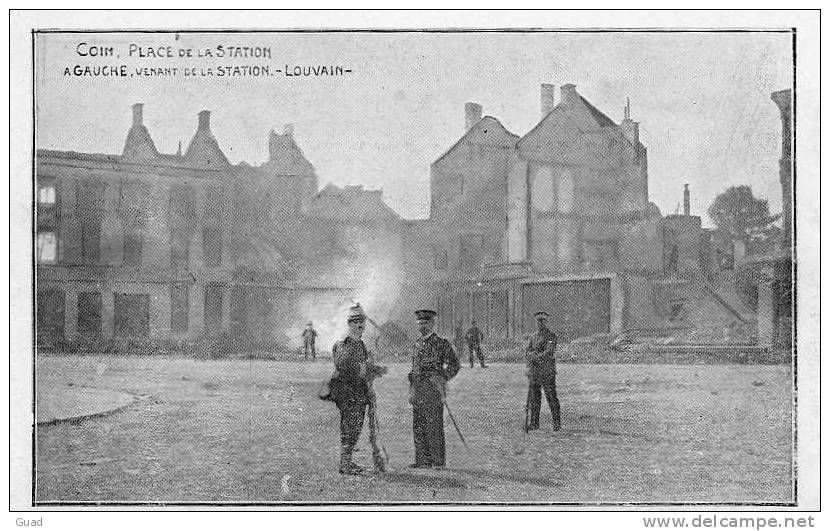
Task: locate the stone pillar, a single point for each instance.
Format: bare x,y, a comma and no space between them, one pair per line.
112,240
227,226
67,188
766,308
112,235
517,212
516,310
226,307
783,99
196,309
156,253
70,314
107,314
159,310
566,236
69,247
196,260
617,305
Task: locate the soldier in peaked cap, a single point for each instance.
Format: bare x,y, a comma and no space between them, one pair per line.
540,354
434,363
474,338
350,388
309,337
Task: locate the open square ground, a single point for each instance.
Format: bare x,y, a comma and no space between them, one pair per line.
254,431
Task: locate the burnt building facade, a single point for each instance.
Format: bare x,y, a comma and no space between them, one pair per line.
147,245
560,219
175,246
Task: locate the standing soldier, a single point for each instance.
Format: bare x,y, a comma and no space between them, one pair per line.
541,374
309,337
434,363
349,387
458,340
474,339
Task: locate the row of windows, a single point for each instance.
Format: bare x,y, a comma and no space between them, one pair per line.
133,197
133,244
474,250
131,311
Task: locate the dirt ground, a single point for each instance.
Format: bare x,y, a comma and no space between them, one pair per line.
233,431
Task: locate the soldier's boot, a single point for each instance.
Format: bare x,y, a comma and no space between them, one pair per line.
346,465
557,422
556,413
379,461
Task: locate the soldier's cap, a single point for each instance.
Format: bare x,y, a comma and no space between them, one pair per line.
541,314
310,324
425,315
356,313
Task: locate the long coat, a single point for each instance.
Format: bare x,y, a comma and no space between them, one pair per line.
433,364
347,384
540,354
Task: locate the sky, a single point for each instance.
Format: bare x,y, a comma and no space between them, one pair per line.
702,99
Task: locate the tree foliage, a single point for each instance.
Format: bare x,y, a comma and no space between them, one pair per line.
739,215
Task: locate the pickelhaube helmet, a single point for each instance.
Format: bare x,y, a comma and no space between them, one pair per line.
356,313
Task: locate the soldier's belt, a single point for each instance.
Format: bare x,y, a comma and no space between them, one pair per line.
422,374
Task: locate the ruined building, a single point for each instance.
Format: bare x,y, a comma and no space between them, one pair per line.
173,246
560,219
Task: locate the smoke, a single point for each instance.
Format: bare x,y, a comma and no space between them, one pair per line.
370,276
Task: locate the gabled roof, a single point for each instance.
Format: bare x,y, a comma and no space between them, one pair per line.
487,131
204,150
576,131
598,115
139,144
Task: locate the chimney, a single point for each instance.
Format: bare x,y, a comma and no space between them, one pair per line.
138,114
686,200
569,95
204,121
630,128
472,115
548,97
288,129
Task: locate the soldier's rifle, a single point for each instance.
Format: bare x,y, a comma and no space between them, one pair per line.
379,455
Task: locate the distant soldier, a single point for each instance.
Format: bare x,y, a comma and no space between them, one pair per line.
458,340
350,386
541,374
309,338
474,339
434,363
